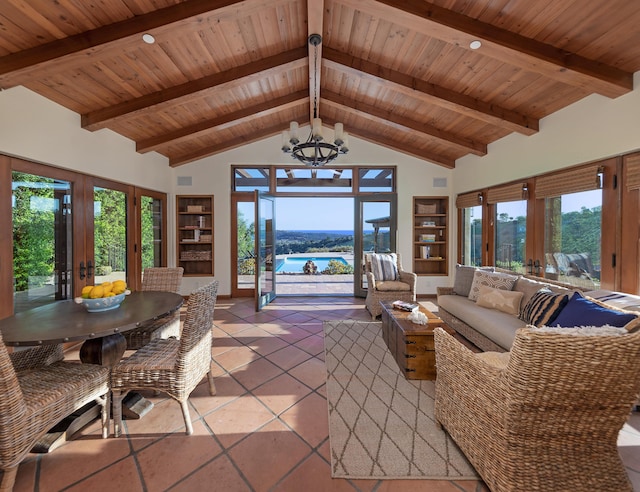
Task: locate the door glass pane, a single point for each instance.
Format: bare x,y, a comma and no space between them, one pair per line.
472,236
246,245
265,250
42,245
511,235
376,232
151,230
572,238
110,235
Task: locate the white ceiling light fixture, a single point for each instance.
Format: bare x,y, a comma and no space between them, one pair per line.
474,45
148,38
315,152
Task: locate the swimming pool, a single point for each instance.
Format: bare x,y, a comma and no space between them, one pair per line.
295,264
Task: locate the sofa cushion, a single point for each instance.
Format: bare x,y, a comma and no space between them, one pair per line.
497,326
384,266
506,301
496,280
464,278
528,287
581,311
543,308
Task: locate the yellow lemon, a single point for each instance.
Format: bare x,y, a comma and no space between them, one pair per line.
109,294
107,286
97,292
86,290
119,286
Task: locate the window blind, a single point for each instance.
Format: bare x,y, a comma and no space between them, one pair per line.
571,181
632,172
468,200
508,193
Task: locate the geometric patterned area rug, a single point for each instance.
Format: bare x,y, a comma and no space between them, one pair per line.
380,424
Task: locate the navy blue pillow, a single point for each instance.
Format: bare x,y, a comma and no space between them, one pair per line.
583,312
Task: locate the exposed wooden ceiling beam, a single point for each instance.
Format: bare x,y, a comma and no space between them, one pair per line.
402,122
440,96
315,16
16,67
233,143
258,69
501,44
192,131
379,139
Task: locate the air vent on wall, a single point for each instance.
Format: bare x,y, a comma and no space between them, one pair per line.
185,180
439,182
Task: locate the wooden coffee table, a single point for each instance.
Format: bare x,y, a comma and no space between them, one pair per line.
411,345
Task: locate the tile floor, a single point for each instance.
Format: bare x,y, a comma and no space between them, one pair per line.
266,430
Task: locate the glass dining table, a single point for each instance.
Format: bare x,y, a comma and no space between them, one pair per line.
100,332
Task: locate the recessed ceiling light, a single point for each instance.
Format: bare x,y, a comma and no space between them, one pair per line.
148,38
474,45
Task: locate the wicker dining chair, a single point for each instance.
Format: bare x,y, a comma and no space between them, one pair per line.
545,416
163,279
172,366
401,289
36,394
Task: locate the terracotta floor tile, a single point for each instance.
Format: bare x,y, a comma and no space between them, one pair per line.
265,346
163,418
418,486
311,372
122,475
238,419
313,475
220,472
227,388
235,327
309,418
283,449
312,345
256,373
167,461
281,393
288,357
236,357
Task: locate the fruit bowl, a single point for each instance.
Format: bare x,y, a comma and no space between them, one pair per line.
102,303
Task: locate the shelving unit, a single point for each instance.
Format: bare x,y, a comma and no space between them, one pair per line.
195,234
430,236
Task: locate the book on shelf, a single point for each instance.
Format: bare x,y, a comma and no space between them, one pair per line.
425,252
427,238
404,306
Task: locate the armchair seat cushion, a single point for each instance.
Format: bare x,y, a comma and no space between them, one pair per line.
392,286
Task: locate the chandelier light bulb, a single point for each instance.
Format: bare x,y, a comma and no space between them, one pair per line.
344,148
286,146
293,130
316,129
338,131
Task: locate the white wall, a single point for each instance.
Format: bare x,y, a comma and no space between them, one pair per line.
588,130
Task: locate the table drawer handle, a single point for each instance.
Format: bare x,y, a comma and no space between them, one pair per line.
410,342
409,356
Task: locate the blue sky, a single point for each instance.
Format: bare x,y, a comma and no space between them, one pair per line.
312,214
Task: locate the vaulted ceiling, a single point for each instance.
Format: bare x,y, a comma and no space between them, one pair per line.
400,73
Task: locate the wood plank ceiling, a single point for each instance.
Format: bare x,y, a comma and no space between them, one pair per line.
399,73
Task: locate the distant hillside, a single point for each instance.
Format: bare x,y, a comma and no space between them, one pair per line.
313,241
288,242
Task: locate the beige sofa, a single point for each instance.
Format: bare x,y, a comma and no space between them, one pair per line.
494,330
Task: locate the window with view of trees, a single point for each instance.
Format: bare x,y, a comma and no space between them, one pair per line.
511,235
471,240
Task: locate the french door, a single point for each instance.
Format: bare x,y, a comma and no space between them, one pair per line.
265,249
375,232
70,230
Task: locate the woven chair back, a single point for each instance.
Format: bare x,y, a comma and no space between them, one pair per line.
12,406
195,341
163,279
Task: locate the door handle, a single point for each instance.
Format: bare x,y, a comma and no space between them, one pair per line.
89,269
82,270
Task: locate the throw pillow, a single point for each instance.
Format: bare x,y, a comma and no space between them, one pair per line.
496,280
384,266
543,308
581,311
528,287
464,278
503,300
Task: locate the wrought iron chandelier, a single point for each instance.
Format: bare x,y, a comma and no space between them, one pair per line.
314,151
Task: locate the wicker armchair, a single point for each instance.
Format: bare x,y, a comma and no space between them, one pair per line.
403,289
545,416
157,279
172,366
38,396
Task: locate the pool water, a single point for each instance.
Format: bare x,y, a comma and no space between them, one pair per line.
296,264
